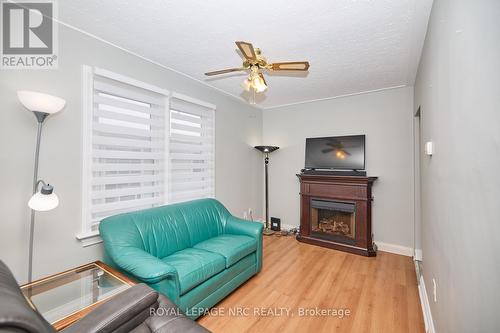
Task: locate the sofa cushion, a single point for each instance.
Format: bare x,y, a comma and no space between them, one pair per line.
194,266
231,247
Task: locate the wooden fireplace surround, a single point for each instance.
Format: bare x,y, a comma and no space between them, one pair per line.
351,189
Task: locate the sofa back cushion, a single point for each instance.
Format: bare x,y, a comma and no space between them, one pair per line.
164,230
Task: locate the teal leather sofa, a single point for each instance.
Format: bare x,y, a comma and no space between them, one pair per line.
194,252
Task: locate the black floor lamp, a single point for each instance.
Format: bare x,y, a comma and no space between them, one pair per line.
267,150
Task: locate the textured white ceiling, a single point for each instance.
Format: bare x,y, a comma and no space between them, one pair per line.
353,45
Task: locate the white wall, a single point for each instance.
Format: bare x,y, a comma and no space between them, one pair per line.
385,118
239,166
458,90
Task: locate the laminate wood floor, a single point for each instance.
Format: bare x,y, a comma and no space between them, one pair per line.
381,293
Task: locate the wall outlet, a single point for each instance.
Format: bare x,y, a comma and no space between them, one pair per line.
245,215
434,290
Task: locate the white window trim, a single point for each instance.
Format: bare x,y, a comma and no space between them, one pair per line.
86,236
193,100
87,105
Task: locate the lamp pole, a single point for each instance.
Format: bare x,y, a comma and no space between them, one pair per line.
266,162
40,116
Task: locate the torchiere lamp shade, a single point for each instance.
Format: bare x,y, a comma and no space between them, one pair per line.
267,149
39,102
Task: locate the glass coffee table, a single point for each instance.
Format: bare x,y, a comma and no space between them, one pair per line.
65,297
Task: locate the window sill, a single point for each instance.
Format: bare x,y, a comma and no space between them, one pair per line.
89,238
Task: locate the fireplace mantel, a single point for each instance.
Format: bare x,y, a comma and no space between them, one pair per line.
330,228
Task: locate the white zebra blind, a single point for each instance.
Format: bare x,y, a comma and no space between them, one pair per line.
191,149
128,154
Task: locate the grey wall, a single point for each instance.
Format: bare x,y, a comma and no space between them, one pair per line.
385,117
458,89
238,174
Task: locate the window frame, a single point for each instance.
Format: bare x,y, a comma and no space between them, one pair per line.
85,235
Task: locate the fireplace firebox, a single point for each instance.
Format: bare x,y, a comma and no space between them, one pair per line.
333,220
336,212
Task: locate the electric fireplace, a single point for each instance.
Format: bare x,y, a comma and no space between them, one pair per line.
336,212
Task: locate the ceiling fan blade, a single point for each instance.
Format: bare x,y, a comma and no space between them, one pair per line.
290,66
247,50
262,77
224,71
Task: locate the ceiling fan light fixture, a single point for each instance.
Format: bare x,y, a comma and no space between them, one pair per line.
258,84
261,88
257,65
246,84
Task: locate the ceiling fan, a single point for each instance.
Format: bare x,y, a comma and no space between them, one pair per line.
256,63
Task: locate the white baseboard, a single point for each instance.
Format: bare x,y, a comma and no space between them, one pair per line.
418,255
384,247
394,248
426,309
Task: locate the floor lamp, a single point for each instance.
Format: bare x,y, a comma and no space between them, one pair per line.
42,105
266,150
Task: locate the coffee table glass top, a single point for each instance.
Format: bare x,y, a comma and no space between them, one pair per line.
64,294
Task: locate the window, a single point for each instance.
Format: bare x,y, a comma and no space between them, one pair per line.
191,149
141,148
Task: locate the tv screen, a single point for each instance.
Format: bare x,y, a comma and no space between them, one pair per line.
336,152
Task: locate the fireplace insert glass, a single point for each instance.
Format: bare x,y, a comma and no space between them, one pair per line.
333,220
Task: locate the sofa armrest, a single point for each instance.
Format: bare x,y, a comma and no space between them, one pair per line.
142,265
237,226
122,312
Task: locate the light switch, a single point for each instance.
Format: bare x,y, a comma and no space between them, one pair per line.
429,148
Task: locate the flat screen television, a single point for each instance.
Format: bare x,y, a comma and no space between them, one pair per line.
336,152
